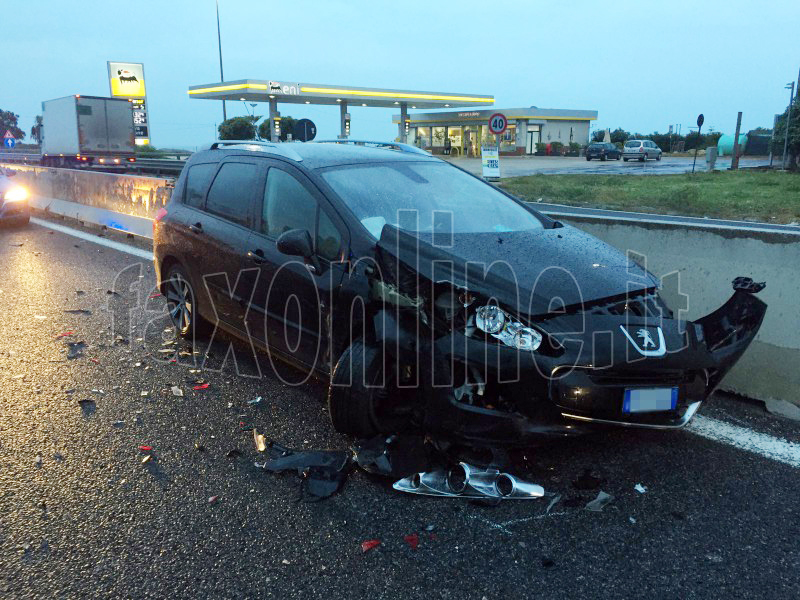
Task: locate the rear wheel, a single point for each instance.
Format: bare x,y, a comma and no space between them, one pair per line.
181,303
625,159
603,157
364,398
658,157
588,158
643,158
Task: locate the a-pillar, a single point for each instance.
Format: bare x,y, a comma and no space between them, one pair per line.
274,120
343,120
403,119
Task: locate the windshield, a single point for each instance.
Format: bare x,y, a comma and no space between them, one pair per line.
426,196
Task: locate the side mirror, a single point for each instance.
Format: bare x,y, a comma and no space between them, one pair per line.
297,242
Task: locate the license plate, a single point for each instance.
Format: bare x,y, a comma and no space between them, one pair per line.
641,400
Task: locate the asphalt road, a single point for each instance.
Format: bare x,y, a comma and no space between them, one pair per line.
89,519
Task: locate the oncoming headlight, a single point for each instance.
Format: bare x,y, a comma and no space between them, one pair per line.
16,194
493,320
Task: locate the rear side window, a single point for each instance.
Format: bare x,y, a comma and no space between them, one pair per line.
197,179
232,192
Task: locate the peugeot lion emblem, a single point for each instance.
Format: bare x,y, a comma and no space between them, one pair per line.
646,345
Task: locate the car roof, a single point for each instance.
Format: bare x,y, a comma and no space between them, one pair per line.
316,156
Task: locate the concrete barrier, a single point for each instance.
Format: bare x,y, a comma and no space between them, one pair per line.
119,201
708,260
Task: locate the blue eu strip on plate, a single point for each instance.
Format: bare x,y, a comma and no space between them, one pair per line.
641,400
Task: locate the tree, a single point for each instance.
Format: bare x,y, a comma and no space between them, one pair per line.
793,150
8,122
238,128
36,130
287,127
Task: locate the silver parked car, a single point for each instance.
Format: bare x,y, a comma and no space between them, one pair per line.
640,150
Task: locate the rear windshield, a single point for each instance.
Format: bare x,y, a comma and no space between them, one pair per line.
632,144
425,196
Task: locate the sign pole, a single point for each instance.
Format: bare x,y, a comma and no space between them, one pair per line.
700,120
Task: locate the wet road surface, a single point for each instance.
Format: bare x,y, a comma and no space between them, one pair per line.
82,516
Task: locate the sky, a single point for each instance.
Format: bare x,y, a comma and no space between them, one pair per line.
641,65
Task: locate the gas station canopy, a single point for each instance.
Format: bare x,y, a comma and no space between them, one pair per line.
254,90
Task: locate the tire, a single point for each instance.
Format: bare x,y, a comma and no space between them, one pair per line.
618,156
182,305
625,159
359,410
643,158
588,158
658,157
603,157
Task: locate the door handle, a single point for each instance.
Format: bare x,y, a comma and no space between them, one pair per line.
257,256
196,228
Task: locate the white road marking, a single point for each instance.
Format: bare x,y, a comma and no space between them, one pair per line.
94,239
746,439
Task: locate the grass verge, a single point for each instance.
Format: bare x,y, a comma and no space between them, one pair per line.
764,196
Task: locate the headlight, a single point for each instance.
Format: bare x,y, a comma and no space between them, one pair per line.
490,319
16,194
494,321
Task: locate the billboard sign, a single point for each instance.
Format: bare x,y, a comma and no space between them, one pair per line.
127,81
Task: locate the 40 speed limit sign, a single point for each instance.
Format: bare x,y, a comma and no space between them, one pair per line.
498,123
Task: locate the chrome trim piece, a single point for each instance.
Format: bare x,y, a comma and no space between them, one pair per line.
687,416
467,481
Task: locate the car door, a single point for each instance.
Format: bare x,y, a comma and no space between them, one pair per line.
220,232
292,299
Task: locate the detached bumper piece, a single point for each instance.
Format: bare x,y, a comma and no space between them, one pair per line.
467,481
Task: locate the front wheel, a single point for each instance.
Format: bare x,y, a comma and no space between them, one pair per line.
625,159
643,158
603,157
181,303
588,158
658,157
364,398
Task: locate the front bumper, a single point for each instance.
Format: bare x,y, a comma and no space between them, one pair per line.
555,396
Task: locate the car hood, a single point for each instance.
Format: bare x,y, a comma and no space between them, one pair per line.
535,272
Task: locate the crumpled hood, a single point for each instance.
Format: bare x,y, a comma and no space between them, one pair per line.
535,271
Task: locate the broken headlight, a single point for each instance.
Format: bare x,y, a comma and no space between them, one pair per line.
493,320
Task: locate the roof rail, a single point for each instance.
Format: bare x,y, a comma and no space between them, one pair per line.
257,146
399,146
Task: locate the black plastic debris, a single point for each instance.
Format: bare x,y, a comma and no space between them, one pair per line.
587,481
75,349
88,407
393,456
234,453
78,311
323,472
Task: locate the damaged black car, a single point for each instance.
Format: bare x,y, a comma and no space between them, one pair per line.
430,300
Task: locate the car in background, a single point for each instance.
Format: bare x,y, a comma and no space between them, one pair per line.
640,150
603,151
14,208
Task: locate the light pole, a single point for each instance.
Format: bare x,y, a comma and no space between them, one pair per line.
789,86
221,75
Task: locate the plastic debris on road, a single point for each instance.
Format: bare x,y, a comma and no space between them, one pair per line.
75,349
260,440
600,502
412,540
213,499
368,545
640,488
64,334
176,391
256,400
147,459
38,461
78,311
552,503
202,386
145,448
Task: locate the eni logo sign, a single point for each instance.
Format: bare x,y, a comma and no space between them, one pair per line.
289,89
